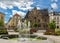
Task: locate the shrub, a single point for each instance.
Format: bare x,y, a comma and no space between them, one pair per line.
3,31
33,30
48,33
35,24
57,33
1,22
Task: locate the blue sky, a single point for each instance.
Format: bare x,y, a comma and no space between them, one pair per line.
10,7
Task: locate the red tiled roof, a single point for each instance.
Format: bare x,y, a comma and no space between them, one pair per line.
16,14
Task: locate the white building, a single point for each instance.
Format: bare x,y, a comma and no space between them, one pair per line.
56,17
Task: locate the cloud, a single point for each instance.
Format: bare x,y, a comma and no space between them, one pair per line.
54,5
10,7
5,22
27,8
54,0
38,8
3,5
11,15
24,5
22,14
18,3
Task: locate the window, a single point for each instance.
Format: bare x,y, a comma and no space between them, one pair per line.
45,26
34,17
18,17
57,26
1,17
38,20
39,25
45,20
57,19
54,18
13,24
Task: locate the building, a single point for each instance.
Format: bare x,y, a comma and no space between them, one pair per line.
56,17
2,19
13,21
40,17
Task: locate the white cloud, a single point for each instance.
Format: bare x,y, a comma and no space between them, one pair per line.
54,5
5,22
38,8
26,3
3,5
54,0
22,14
27,6
17,4
10,7
11,15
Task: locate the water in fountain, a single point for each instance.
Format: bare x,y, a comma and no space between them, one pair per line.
23,30
22,26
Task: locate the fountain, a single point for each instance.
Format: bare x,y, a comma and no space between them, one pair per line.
23,29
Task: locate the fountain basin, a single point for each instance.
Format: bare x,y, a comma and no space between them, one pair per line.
32,37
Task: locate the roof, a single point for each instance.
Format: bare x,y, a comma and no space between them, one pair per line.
2,13
43,11
16,14
9,20
27,14
13,16
56,13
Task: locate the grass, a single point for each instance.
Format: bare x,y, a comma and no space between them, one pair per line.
28,38
34,39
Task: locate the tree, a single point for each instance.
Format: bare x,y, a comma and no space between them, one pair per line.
1,22
52,24
35,24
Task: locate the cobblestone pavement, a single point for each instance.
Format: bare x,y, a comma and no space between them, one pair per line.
16,41
7,41
51,39
54,39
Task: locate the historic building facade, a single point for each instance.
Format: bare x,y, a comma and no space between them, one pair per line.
2,18
13,21
38,18
56,17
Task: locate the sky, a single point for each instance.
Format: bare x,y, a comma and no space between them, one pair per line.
10,7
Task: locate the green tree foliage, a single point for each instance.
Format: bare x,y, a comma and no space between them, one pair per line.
3,31
52,24
1,22
35,24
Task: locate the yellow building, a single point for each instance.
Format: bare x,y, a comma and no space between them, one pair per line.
1,19
13,21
